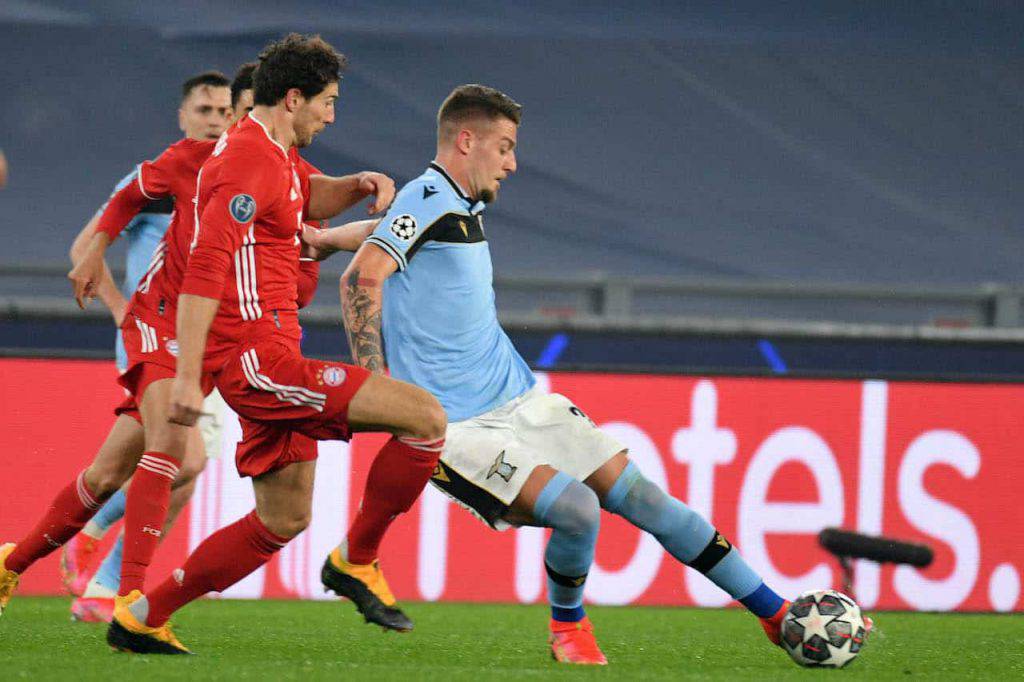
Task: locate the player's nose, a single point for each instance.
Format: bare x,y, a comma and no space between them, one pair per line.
510,166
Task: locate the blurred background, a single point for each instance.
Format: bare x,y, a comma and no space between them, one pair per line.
748,187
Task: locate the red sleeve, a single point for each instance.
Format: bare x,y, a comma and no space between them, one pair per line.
155,178
245,188
152,181
309,277
122,207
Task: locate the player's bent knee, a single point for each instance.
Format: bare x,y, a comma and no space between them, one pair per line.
104,482
287,525
435,421
580,510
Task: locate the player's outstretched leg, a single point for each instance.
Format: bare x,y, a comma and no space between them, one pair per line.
79,557
74,505
96,601
283,507
555,500
398,475
149,494
688,537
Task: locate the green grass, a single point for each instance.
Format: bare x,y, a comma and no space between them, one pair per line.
279,641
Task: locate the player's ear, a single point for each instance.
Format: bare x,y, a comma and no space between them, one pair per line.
464,140
181,119
293,99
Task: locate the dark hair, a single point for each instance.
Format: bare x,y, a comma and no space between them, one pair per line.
470,101
211,78
242,81
308,63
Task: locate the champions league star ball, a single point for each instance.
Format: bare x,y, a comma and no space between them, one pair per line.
404,227
823,628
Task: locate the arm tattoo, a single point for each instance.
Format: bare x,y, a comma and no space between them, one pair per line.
361,302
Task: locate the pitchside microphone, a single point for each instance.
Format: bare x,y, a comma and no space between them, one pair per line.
844,543
847,545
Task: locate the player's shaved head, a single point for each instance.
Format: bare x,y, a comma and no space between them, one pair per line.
470,102
308,63
242,81
206,79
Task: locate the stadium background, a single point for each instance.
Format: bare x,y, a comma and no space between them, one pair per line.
777,194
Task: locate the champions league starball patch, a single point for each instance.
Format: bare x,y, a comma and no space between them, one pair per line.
242,207
404,227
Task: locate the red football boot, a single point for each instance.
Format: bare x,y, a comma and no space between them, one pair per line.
77,563
773,624
575,643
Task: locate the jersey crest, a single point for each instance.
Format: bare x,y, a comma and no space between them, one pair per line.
242,208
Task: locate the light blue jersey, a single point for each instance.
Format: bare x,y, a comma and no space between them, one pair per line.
141,236
440,325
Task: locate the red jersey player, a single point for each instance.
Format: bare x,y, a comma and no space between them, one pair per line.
124,446
237,318
120,452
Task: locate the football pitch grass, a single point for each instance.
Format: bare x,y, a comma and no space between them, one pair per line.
286,640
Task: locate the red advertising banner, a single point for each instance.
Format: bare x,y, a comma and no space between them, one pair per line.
770,461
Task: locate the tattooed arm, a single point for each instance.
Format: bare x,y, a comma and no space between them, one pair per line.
362,300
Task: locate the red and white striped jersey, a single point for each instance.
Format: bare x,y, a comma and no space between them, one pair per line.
172,174
249,214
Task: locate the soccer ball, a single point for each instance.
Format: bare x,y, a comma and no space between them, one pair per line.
404,226
823,628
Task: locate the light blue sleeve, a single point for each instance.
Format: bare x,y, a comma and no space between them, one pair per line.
413,212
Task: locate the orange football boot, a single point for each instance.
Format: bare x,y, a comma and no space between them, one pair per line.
575,643
773,624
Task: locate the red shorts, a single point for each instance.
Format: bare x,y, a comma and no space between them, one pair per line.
151,347
283,400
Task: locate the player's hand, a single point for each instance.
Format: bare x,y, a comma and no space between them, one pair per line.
186,404
381,187
85,278
311,248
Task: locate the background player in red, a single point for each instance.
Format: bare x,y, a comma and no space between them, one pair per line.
204,112
117,457
157,294
241,280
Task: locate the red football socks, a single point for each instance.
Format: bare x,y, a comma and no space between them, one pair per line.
397,477
69,512
219,562
145,512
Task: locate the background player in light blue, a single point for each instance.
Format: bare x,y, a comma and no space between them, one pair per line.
419,295
205,112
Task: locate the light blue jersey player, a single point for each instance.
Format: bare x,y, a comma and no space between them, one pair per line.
459,352
513,454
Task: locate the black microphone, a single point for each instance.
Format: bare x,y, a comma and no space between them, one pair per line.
844,543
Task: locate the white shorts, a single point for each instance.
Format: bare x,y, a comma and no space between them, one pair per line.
211,424
488,458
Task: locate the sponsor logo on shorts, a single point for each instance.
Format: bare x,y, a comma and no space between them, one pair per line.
333,376
172,346
242,207
502,468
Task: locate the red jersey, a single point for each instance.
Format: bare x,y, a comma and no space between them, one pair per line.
172,174
250,205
